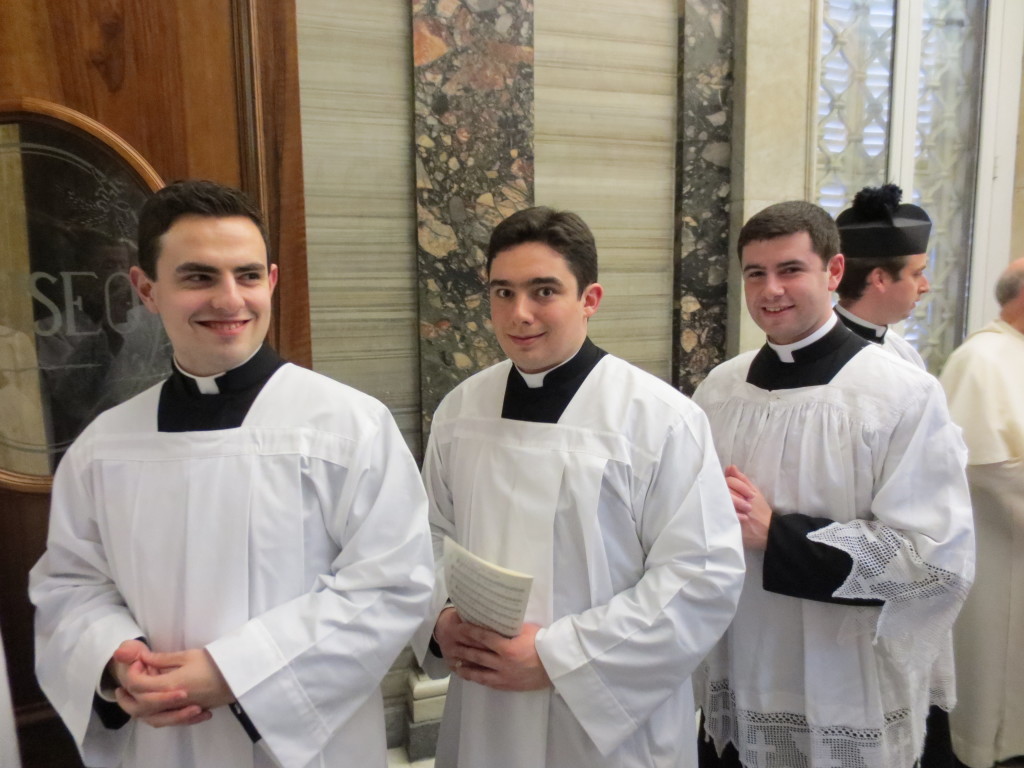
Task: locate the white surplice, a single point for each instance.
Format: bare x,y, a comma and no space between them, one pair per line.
824,684
902,348
294,548
984,380
621,514
890,340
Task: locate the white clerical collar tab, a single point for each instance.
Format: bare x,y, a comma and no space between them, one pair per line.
536,380
879,330
207,385
785,351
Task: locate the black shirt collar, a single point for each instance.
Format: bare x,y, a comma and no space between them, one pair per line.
545,404
183,408
860,326
813,365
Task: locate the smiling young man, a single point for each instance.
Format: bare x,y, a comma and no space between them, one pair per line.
847,478
601,482
886,249
236,555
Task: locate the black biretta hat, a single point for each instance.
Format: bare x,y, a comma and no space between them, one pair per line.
876,225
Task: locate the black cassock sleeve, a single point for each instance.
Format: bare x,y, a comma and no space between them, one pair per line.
798,567
109,713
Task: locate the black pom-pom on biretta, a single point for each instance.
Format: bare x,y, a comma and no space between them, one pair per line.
878,226
877,202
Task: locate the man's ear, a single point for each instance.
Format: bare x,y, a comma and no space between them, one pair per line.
835,268
143,286
272,276
878,278
592,298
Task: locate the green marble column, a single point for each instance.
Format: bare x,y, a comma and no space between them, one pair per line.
703,189
473,143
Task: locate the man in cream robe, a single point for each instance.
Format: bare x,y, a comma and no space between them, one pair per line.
848,480
236,555
984,380
601,482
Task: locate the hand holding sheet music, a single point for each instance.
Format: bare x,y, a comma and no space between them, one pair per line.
484,593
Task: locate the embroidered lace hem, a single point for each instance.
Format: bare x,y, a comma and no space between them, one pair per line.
787,740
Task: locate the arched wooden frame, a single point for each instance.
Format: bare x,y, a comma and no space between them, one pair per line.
271,167
13,110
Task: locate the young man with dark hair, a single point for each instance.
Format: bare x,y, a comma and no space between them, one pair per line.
601,482
236,555
885,245
847,477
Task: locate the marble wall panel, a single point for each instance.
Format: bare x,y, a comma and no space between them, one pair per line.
473,136
356,96
605,141
703,188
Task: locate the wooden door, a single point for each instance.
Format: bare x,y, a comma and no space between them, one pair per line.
197,89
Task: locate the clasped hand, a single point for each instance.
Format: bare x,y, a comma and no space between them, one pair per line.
752,509
162,689
485,657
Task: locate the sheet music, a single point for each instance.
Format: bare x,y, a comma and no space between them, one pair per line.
484,593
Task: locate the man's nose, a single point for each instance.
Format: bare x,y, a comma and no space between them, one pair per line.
772,285
522,311
227,296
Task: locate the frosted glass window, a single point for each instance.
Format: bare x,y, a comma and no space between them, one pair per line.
854,150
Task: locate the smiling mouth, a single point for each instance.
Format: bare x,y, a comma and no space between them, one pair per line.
775,310
224,325
524,339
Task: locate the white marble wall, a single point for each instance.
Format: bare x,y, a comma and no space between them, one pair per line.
774,138
605,117
355,63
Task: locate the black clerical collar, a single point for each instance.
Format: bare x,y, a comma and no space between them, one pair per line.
184,408
813,365
860,326
545,404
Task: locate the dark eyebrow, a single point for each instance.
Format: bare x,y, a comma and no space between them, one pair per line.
193,267
780,265
532,282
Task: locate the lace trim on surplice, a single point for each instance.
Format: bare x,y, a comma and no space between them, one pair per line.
921,600
787,740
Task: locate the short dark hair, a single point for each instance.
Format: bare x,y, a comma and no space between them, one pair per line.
789,218
191,197
855,274
562,231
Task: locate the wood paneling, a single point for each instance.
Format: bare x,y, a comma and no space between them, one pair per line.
278,136
200,89
147,71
